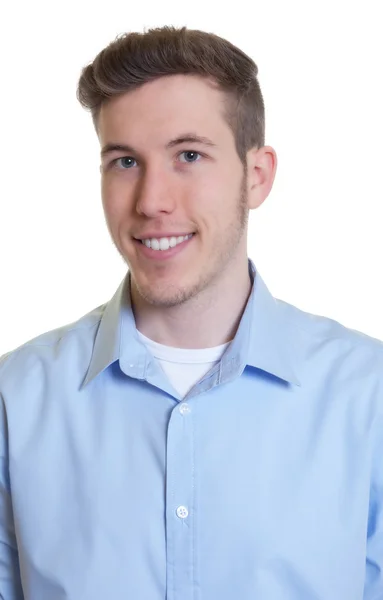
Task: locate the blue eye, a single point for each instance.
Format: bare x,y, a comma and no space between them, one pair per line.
124,158
191,152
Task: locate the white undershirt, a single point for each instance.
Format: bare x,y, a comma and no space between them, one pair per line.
183,367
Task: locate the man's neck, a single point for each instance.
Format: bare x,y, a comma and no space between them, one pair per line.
205,321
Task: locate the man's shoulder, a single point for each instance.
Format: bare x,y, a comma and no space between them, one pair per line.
335,358
49,346
321,328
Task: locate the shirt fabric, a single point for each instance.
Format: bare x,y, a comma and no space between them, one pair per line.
264,482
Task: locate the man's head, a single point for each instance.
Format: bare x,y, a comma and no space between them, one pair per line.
145,92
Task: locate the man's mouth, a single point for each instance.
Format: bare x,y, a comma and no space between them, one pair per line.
163,248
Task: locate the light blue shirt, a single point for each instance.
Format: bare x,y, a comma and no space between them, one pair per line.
264,483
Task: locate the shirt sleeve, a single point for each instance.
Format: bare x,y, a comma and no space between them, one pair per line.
374,555
10,581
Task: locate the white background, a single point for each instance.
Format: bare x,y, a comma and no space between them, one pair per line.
317,239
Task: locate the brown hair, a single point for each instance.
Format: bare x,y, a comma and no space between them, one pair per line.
133,59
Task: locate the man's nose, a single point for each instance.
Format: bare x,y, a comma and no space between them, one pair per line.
154,193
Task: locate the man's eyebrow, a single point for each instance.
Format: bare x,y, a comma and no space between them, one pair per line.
189,138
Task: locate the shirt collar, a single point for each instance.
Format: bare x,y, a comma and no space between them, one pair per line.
273,341
265,338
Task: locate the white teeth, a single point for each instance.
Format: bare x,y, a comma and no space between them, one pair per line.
165,243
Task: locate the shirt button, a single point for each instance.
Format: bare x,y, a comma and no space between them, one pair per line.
182,512
184,408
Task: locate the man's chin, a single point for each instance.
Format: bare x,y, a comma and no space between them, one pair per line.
162,295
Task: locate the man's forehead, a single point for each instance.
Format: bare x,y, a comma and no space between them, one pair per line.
171,95
164,120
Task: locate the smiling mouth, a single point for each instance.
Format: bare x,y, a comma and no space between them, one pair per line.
167,251
164,243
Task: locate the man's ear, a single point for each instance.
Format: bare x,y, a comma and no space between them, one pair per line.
261,169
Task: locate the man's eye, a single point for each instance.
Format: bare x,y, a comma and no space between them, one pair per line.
191,154
126,159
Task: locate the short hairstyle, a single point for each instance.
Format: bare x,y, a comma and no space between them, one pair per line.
134,59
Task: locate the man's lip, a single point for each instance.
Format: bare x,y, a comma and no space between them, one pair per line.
158,236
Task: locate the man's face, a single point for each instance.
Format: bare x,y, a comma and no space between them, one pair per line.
153,190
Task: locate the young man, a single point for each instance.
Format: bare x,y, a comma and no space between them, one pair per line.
194,438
